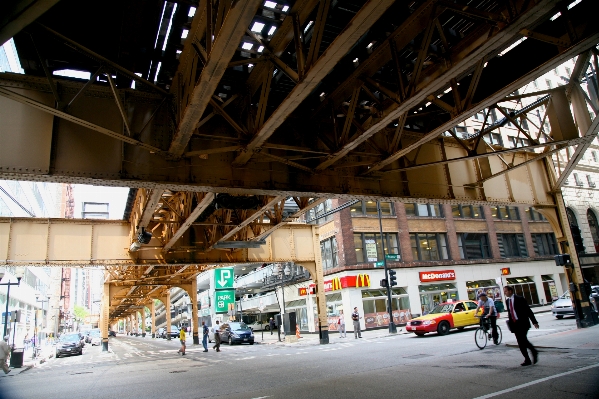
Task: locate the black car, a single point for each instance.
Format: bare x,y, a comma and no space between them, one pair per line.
69,344
236,333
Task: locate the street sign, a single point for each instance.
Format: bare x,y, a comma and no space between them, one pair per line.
223,299
223,278
379,264
394,257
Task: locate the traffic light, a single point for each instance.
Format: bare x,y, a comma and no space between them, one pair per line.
392,278
384,283
577,237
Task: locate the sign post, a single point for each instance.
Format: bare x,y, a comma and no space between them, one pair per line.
261,308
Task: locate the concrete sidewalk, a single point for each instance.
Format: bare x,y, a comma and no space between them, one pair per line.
45,353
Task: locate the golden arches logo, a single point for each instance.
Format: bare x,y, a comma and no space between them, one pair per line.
362,280
336,284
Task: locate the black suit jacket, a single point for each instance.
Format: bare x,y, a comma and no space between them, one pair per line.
523,312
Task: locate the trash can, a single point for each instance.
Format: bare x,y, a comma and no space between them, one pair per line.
16,358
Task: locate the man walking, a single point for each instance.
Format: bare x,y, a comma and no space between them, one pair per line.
271,325
216,337
520,315
205,336
4,353
355,316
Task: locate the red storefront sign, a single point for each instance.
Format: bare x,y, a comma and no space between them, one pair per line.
505,271
360,280
438,275
302,291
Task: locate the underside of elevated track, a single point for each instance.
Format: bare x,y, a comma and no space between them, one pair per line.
221,113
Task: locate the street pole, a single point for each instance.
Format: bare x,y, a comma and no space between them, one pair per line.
392,328
6,313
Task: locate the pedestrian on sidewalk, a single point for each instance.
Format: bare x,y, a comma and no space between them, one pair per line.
341,325
519,317
355,316
182,339
271,325
215,330
4,354
205,336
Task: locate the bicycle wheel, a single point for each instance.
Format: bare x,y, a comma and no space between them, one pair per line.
499,335
480,337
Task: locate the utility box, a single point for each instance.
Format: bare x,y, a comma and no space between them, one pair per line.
289,323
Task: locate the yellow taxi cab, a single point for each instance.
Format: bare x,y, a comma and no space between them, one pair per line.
444,317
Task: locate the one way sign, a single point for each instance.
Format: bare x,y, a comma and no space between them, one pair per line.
223,278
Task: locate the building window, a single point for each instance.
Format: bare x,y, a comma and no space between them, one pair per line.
467,211
590,181
594,155
95,210
480,116
533,215
424,210
535,84
369,247
517,142
512,246
548,83
493,138
429,246
474,246
594,227
526,287
505,213
369,208
577,179
320,210
328,252
544,244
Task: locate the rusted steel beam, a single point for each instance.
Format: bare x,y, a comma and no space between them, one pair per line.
208,197
236,22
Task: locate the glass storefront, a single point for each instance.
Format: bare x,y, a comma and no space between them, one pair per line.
433,294
475,288
525,286
374,303
301,312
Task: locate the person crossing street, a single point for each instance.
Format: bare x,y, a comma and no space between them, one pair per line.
520,315
182,339
205,336
4,354
215,330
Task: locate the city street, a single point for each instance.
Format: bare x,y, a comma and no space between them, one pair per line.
377,365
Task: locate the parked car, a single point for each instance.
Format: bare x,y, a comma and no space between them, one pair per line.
85,334
69,344
259,326
562,306
236,333
95,338
160,333
174,332
444,317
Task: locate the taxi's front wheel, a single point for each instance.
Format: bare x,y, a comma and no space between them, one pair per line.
443,328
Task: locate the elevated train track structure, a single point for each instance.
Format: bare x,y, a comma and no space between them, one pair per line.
221,112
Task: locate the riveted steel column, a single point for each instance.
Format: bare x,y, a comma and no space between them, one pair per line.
104,316
153,312
193,294
167,307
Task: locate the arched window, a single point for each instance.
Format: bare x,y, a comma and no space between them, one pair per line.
593,225
571,217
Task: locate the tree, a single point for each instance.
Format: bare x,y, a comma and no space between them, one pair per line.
80,313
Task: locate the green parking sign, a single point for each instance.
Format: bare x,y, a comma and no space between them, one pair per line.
223,300
223,278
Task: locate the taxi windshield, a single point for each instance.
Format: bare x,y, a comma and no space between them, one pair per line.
444,308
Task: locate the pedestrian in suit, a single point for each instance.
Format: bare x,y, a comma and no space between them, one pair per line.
271,325
520,315
355,316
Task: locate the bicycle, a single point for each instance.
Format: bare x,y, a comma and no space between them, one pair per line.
484,333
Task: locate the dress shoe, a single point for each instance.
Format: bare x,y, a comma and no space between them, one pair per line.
526,363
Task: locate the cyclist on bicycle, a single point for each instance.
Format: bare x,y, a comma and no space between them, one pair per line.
489,312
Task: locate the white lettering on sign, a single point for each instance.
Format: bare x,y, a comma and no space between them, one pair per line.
225,275
440,275
223,297
328,285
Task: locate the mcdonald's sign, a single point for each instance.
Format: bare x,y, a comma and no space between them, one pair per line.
337,283
302,291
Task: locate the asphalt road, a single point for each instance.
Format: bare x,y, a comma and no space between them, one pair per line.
373,367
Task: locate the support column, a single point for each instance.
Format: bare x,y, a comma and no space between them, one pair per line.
153,315
317,275
104,316
167,306
137,322
194,311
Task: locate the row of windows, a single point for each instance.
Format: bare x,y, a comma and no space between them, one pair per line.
580,183
369,208
471,212
434,246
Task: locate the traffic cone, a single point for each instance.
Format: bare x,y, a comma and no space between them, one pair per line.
297,333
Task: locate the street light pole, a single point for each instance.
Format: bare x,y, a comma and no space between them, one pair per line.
18,283
392,328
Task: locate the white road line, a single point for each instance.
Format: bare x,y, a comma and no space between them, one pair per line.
537,381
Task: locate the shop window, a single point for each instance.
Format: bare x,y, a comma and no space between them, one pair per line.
512,245
474,245
475,288
319,212
429,246
369,208
432,295
505,213
544,244
525,286
374,303
467,211
328,251
424,210
369,248
533,215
